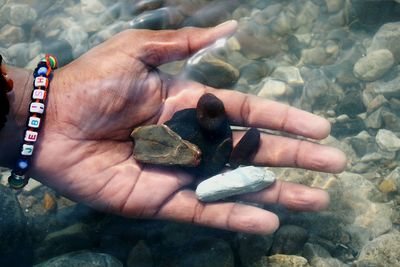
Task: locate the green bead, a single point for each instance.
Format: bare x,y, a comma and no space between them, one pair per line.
53,62
17,181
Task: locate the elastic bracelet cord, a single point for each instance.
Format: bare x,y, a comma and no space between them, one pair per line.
41,84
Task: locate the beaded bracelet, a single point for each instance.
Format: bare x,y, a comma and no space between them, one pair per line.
42,76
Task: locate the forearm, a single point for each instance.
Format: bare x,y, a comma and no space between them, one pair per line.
12,134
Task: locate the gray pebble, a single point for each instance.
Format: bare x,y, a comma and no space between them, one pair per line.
374,65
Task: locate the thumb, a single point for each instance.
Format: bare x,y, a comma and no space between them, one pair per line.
169,45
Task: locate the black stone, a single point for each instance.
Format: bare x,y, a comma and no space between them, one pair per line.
347,128
351,104
289,240
244,151
216,148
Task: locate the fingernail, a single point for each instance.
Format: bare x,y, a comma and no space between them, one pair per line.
229,22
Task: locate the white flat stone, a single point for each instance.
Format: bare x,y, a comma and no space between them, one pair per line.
238,181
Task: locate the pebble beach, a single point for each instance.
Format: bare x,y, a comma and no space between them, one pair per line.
335,58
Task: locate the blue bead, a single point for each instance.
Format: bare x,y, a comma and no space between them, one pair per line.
22,164
42,71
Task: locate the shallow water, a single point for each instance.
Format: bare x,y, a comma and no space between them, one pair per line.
335,58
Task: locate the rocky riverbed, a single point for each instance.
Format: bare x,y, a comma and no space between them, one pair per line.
336,58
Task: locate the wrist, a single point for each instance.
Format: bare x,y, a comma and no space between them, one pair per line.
11,135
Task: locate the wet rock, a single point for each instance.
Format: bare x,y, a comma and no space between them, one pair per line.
391,183
342,70
146,5
254,72
158,144
49,203
363,144
72,238
212,71
107,33
77,38
291,75
374,65
162,18
347,128
289,239
280,260
391,120
255,46
245,150
10,34
272,88
15,243
212,13
371,14
376,103
92,7
235,182
387,87
382,251
251,248
82,258
374,120
317,256
334,5
215,146
19,14
209,252
351,104
140,255
387,37
387,140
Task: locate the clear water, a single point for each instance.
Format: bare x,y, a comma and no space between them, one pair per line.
303,53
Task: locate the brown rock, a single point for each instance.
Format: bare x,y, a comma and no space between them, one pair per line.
158,144
49,203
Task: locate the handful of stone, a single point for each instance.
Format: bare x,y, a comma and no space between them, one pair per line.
199,140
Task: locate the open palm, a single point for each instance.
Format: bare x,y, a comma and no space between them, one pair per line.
96,101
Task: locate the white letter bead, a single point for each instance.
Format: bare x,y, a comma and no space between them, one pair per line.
27,150
39,94
37,108
34,122
41,81
30,136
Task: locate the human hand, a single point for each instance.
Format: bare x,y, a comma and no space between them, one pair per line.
85,153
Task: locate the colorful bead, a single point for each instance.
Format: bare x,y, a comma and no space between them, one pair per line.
42,71
27,150
36,108
39,94
34,122
17,181
30,136
41,82
53,62
22,164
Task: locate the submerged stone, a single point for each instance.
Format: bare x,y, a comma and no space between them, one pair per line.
158,144
246,148
158,19
212,71
238,181
215,148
